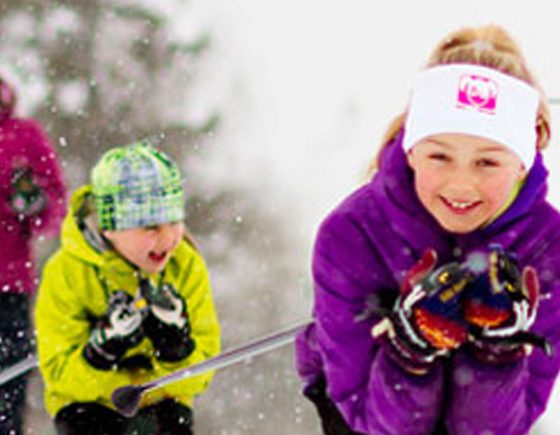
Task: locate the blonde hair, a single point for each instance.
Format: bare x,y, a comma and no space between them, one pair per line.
489,46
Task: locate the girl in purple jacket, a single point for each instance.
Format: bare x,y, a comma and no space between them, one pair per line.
437,284
32,201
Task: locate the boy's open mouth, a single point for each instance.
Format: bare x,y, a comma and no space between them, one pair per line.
157,257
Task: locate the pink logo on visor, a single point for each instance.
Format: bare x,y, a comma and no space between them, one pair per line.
477,92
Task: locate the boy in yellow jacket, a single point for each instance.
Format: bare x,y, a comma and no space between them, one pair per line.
125,300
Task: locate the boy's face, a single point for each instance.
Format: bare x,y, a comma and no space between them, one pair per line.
463,180
149,248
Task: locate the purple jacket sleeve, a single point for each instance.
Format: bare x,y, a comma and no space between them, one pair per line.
42,159
373,393
506,399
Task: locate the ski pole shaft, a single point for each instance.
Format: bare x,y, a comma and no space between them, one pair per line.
233,356
126,398
18,369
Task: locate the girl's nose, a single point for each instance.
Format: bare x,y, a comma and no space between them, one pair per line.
462,181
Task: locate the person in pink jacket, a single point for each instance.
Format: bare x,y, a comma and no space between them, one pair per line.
32,202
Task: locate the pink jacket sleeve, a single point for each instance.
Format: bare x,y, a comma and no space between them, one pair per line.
47,174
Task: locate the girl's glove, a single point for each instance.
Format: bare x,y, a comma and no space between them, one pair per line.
426,321
119,330
167,324
501,305
27,199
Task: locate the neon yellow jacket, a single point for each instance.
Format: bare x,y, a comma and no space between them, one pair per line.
76,284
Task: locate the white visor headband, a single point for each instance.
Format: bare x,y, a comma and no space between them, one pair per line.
475,100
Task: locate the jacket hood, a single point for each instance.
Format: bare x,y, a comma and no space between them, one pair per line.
75,243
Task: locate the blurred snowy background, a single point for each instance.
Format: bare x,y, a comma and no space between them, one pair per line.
274,109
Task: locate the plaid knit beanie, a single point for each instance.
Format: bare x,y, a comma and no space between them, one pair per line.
136,186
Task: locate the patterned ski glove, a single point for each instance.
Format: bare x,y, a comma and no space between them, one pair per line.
27,199
501,305
426,321
167,324
119,330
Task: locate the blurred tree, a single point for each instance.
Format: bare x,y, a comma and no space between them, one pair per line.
108,73
100,73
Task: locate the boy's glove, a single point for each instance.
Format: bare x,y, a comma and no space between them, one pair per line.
500,306
119,330
167,324
27,198
426,321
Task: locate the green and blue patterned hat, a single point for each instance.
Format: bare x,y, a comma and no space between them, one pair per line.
136,186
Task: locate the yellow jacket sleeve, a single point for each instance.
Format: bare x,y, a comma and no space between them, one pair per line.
62,332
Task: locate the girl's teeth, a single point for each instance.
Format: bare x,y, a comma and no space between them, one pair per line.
461,205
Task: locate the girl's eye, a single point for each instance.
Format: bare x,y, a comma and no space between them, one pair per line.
487,163
438,156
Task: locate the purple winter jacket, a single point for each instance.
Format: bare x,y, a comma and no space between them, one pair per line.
23,143
366,245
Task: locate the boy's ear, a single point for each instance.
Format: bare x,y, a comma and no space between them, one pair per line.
107,234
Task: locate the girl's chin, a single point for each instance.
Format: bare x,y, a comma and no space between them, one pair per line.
459,228
459,223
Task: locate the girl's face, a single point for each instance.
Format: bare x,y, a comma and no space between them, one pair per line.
463,180
149,248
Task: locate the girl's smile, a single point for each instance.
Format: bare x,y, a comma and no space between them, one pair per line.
460,207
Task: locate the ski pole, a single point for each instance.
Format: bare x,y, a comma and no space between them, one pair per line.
126,399
18,369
